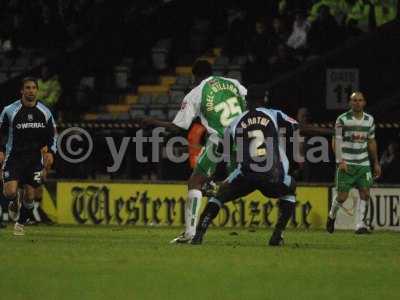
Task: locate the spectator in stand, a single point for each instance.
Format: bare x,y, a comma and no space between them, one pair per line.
279,34
324,33
390,162
258,53
49,88
258,44
237,33
298,38
283,60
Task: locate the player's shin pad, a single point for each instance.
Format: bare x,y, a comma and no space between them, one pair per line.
286,209
192,212
334,208
362,209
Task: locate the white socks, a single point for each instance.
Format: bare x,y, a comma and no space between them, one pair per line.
361,213
192,210
334,208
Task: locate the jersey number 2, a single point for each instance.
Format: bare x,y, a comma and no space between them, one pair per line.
37,177
230,109
257,140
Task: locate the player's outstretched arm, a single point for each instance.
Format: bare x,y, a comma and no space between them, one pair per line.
153,122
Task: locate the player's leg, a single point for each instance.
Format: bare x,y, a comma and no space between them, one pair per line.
12,194
285,191
235,186
205,168
344,182
364,182
44,218
362,209
31,178
10,176
27,204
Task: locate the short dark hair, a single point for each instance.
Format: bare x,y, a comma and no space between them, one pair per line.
27,79
202,69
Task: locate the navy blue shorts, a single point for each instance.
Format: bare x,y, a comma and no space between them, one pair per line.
25,170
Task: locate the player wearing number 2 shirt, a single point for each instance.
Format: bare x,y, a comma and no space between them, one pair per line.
217,101
262,165
261,161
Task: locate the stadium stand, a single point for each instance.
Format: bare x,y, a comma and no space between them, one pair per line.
143,66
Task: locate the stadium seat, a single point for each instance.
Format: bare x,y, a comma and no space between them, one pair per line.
161,99
178,87
234,67
144,99
183,81
172,113
130,99
105,117
235,75
183,70
177,97
153,89
218,73
168,80
137,111
221,61
123,116
158,113
116,108
239,60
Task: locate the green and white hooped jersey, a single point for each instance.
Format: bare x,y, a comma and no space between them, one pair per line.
353,134
216,100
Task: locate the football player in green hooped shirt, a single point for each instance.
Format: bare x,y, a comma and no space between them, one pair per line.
217,101
355,149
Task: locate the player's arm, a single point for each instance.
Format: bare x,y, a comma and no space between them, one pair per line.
150,121
190,108
373,152
337,143
51,143
3,133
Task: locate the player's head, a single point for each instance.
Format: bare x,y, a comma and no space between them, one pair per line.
257,97
29,89
201,70
357,102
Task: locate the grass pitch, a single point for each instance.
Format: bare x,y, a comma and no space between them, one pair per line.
138,263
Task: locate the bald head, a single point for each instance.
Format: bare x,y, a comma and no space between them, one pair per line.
357,102
357,95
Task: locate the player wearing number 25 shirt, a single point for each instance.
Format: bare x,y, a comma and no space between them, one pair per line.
27,131
216,101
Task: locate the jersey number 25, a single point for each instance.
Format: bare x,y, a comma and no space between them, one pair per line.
230,109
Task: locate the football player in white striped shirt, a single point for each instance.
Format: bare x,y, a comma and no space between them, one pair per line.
355,149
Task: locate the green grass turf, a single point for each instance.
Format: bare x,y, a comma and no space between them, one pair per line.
138,263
